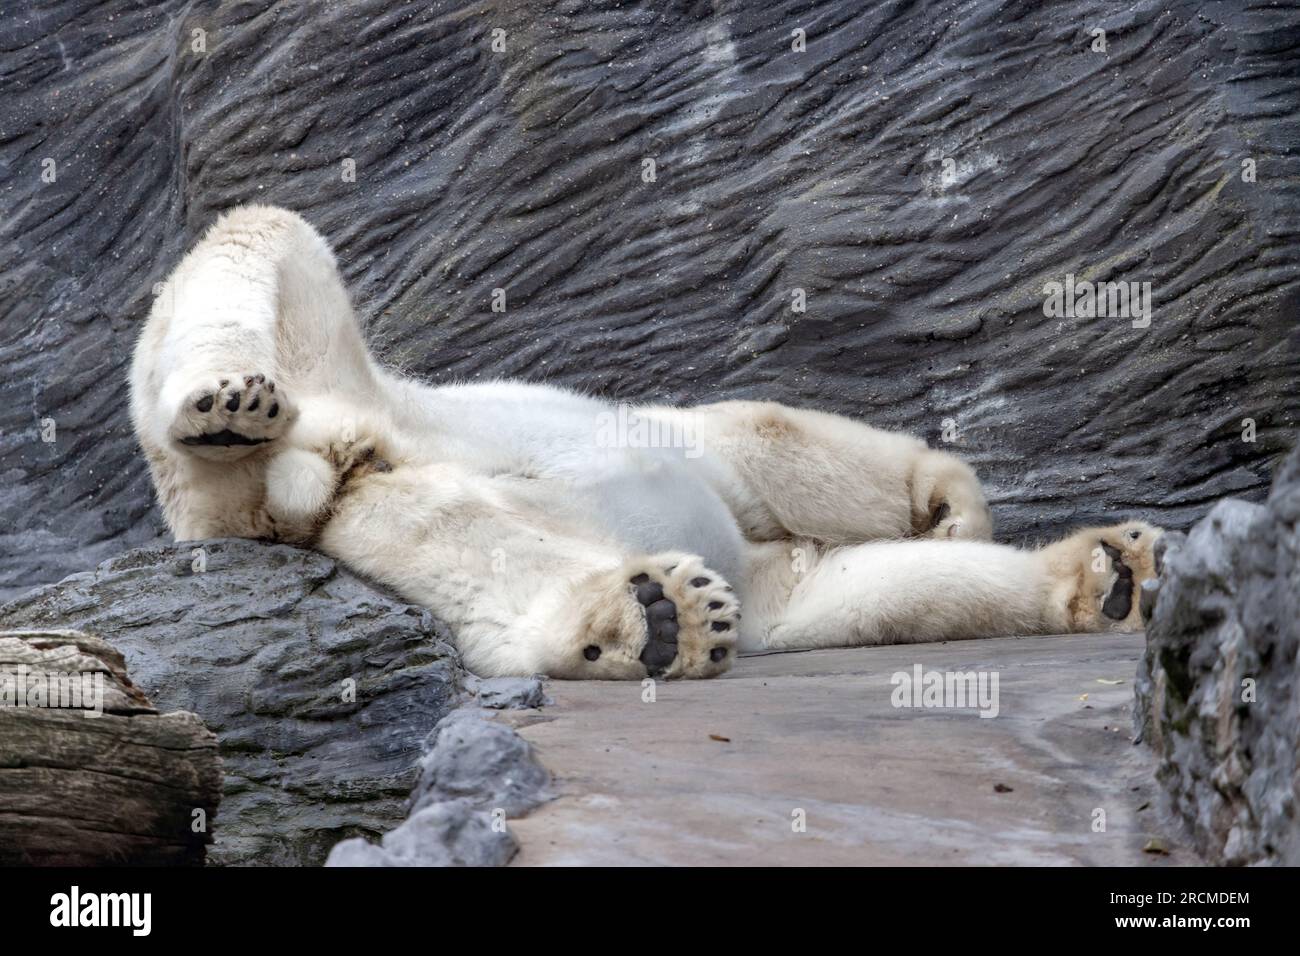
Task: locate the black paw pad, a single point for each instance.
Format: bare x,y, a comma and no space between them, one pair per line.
204,404
232,403
274,410
718,654
661,629
662,611
700,582
1119,602
648,592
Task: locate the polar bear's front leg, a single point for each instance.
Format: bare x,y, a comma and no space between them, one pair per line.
1096,574
910,591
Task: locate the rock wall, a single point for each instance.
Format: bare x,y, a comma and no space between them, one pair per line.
1217,693
912,173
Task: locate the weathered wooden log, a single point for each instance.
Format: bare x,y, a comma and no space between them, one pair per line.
90,772
320,687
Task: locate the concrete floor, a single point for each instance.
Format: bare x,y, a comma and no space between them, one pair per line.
815,731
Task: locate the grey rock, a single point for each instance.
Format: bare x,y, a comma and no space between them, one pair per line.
1217,694
266,643
475,775
776,171
444,834
482,760
507,693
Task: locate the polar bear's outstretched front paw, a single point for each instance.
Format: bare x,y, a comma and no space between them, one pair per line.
666,615
1098,576
231,412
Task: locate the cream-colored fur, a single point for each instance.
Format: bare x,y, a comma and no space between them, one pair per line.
544,526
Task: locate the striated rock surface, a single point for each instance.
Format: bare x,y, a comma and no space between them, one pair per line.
914,174
320,687
1218,692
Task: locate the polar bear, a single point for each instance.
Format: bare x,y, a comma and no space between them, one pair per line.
556,533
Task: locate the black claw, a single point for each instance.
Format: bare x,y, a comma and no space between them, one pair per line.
204,404
700,582
720,626
649,592
232,403
275,410
270,387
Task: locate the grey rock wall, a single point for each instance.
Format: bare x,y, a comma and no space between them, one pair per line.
126,127
1218,690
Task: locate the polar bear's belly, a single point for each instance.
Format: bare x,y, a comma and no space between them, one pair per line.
651,499
653,505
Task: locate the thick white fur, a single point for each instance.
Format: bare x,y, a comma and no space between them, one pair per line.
505,508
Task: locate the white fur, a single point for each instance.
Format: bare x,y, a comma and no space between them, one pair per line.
507,509
299,484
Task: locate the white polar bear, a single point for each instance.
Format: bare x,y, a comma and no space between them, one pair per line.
556,533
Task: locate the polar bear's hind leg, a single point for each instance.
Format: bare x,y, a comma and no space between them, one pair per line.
803,473
665,616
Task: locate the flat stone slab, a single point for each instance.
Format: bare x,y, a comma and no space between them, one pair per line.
717,772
